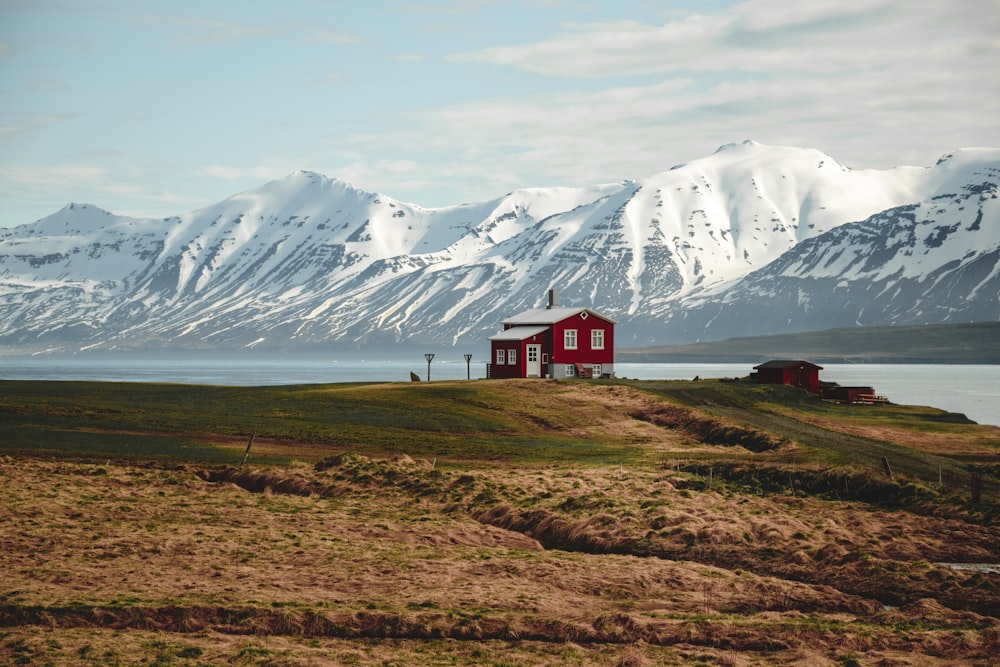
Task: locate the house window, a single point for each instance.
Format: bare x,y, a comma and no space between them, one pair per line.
597,339
570,370
512,357
597,371
501,357
569,339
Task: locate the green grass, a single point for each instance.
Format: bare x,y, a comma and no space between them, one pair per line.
781,410
41,439
366,558
485,421
467,420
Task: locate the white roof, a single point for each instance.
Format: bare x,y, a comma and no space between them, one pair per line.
519,333
549,315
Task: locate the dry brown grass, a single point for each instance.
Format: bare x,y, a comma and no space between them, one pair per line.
325,564
961,441
705,429
689,551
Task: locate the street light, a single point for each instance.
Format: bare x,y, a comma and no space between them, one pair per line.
468,372
428,357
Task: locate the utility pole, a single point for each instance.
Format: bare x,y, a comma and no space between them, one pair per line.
468,369
428,357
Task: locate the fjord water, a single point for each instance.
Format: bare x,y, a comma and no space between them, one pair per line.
973,390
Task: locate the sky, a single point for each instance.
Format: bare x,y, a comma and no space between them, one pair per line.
159,108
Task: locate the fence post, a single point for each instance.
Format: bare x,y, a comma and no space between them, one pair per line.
976,482
246,454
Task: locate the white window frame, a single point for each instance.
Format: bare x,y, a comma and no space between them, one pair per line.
501,356
597,339
569,339
570,371
597,370
512,357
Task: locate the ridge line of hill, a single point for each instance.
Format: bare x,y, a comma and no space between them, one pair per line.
973,343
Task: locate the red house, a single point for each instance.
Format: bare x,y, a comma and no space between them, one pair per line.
793,373
554,342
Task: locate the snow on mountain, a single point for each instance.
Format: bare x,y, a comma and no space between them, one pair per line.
934,261
696,252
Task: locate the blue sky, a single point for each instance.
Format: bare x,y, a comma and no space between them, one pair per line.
158,108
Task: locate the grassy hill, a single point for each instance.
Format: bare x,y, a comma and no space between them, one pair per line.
976,343
491,523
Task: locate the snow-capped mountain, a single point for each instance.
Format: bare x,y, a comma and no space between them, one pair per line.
751,239
934,261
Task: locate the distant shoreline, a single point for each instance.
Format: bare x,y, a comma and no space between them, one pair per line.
638,357
974,343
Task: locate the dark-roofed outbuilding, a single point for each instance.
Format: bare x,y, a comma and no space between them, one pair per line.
795,373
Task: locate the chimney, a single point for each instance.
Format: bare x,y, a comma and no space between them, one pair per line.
553,299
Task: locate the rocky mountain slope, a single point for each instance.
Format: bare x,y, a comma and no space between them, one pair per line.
752,239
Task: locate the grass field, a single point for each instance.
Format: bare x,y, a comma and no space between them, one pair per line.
491,523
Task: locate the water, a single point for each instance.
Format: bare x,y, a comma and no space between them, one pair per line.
970,389
235,373
973,390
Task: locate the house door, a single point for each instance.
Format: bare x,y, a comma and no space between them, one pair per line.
532,367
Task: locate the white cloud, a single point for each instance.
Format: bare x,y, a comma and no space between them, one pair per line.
384,175
266,173
872,84
759,36
93,184
54,176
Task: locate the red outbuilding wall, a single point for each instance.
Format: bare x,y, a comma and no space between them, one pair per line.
793,373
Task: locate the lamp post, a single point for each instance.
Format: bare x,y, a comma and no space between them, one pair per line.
428,357
468,371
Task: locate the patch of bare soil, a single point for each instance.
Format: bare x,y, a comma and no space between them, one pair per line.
361,561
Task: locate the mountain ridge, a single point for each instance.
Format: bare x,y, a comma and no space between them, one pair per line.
973,343
673,257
